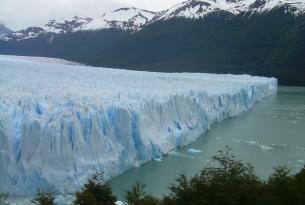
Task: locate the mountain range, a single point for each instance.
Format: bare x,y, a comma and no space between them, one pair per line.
258,37
4,31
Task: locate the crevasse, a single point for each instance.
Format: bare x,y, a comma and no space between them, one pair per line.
60,123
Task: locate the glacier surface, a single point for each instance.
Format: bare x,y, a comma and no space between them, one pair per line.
60,123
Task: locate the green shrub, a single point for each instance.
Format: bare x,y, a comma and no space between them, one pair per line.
138,196
298,188
43,198
230,182
95,192
226,181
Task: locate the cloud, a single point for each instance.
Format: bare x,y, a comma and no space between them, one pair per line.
19,14
156,5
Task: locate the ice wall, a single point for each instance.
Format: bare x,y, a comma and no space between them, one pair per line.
59,123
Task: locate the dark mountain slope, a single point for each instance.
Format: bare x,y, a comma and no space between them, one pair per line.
269,44
4,30
84,47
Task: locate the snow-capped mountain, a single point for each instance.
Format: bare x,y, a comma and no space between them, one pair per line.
258,37
4,31
133,19
128,19
196,9
55,26
124,19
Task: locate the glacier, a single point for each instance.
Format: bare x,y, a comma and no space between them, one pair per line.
61,122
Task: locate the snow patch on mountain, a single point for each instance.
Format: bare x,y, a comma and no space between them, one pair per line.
55,26
133,19
195,9
123,19
64,25
59,123
4,31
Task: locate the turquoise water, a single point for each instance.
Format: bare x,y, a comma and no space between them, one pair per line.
270,134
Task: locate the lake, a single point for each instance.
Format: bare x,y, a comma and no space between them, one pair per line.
272,133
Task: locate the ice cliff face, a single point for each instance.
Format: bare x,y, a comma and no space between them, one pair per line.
59,123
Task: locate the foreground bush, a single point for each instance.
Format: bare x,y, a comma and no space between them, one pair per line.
226,181
43,198
95,192
138,196
233,182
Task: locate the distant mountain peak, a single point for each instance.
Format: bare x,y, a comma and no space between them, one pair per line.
124,18
61,25
54,26
4,29
195,9
133,19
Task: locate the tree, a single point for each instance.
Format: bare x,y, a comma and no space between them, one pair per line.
85,198
298,187
279,184
138,196
43,198
228,182
182,191
96,191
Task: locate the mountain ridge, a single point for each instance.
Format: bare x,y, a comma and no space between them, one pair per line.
200,8
256,43
123,18
4,31
133,19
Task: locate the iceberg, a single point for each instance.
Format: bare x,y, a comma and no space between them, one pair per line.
59,122
194,151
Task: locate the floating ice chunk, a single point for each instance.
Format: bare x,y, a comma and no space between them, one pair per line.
158,159
265,148
120,203
194,151
252,143
279,146
236,141
257,144
180,154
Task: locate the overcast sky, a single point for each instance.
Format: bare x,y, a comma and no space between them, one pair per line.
19,14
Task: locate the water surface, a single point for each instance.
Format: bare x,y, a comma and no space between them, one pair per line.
272,133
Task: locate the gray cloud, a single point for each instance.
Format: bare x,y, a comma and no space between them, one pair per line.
19,14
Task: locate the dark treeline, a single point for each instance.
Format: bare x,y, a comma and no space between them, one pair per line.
226,181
